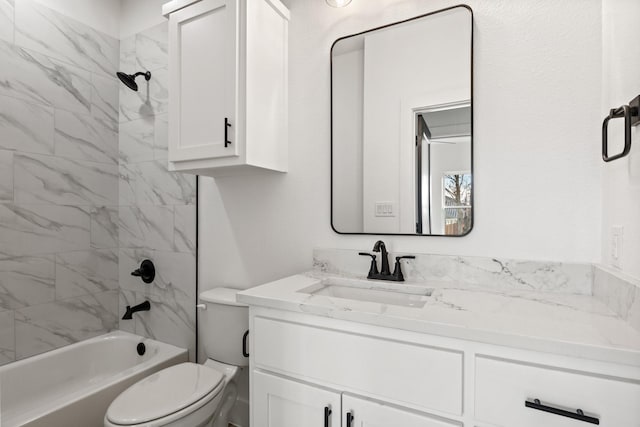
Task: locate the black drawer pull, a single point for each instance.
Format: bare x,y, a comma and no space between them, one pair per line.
327,415
227,125
349,419
578,415
245,351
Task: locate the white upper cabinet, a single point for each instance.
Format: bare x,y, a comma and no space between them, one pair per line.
228,62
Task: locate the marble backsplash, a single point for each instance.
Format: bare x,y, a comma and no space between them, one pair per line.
619,292
465,271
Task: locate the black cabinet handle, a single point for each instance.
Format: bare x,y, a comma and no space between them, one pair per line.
227,125
327,415
245,352
349,419
578,415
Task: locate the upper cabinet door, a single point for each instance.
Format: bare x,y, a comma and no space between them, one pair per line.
366,413
203,46
278,402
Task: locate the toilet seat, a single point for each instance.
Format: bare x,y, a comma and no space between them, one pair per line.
181,388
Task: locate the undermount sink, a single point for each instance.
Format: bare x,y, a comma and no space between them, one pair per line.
402,295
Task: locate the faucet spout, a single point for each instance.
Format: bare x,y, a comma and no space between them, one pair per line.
128,315
384,262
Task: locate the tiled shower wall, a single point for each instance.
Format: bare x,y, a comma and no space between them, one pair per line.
58,180
81,205
157,208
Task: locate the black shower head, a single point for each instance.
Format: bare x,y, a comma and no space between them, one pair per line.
130,79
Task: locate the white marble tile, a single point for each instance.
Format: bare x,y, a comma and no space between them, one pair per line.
171,321
156,185
185,228
128,180
25,126
48,326
486,273
26,281
175,275
7,338
6,20
86,272
128,55
151,47
155,94
48,32
83,137
104,227
136,141
105,99
35,77
45,179
146,226
6,176
43,229
161,138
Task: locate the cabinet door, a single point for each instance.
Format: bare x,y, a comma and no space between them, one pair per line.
358,412
278,402
203,43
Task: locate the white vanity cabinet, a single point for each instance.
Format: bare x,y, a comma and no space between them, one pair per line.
280,402
228,81
375,376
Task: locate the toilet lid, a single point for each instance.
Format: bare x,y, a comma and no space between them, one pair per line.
163,394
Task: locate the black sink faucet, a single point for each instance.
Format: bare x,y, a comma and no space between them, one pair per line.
385,274
128,315
379,246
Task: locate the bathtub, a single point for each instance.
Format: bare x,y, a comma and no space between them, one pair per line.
74,385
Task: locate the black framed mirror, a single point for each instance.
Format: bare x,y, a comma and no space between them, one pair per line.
402,127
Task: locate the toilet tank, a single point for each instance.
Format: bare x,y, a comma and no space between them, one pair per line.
223,325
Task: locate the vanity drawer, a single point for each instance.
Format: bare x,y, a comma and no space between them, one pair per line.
399,372
502,387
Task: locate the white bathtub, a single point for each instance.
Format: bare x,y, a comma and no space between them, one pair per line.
74,385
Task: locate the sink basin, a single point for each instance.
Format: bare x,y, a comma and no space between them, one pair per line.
402,295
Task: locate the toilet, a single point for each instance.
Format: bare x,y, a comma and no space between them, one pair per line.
191,394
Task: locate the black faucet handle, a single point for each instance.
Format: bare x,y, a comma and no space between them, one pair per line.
397,270
373,270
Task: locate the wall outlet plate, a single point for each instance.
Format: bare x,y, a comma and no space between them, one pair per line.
617,240
385,209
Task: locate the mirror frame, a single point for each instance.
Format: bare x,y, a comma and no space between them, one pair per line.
473,180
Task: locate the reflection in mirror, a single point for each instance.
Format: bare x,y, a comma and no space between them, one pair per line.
402,128
443,170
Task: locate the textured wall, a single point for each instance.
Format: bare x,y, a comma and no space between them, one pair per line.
58,180
621,184
156,207
536,145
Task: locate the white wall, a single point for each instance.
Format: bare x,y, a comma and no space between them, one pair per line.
537,145
621,183
103,15
138,15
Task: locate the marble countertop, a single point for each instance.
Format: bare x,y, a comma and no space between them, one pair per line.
566,324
